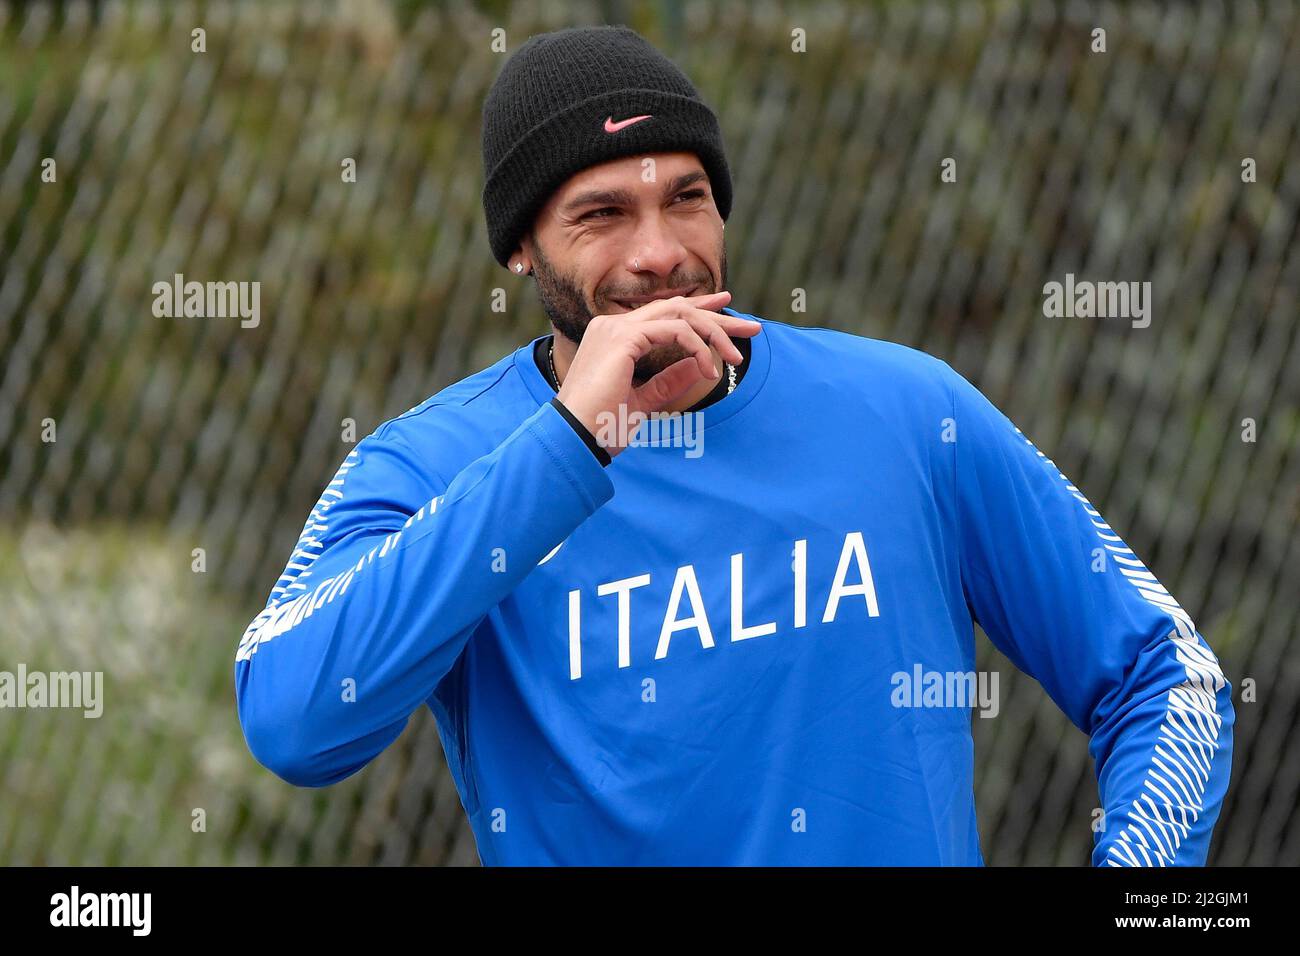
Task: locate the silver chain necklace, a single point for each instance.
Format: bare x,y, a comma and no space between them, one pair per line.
555,379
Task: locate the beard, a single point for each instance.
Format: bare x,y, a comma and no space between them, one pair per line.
567,307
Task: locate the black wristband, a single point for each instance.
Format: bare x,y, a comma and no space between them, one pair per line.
602,456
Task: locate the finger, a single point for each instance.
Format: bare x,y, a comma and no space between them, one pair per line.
712,332
706,300
664,330
732,324
704,304
669,384
716,327
709,300
722,296
712,301
718,337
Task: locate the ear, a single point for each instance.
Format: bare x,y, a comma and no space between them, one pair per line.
519,257
526,252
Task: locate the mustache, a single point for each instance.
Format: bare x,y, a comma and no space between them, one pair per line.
704,282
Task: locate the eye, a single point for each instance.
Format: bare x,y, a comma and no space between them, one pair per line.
595,213
690,195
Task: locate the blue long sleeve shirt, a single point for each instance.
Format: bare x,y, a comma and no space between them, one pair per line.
748,640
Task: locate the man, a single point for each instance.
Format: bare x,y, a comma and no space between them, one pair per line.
700,648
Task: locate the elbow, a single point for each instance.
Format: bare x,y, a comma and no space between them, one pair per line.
278,737
280,749
290,765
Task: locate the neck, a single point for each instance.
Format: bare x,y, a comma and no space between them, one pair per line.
566,350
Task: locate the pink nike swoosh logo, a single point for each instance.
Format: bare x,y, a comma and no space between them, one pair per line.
612,127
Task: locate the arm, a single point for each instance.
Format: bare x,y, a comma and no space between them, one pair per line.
1058,591
388,581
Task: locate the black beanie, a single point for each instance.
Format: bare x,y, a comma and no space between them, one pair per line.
549,113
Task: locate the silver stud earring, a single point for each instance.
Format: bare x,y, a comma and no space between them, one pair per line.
519,267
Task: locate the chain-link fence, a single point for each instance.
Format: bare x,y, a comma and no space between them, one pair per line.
156,471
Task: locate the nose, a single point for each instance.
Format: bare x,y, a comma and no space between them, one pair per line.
655,249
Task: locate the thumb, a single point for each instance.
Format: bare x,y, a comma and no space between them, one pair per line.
668,385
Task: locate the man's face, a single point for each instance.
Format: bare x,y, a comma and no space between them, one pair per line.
622,230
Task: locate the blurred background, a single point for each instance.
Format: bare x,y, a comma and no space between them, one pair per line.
175,434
